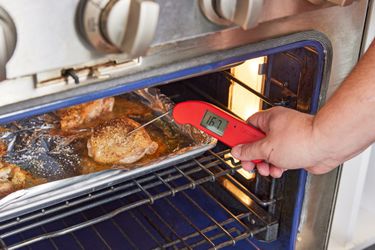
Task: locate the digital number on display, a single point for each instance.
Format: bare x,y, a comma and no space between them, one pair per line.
214,123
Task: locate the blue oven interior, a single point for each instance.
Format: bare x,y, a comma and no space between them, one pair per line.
201,203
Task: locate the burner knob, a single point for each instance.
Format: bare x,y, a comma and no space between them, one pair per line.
244,13
7,41
120,26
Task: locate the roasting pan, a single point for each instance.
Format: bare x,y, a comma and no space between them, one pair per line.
34,198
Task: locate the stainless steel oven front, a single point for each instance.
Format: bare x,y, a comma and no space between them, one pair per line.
59,54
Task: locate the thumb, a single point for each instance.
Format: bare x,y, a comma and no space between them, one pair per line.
249,152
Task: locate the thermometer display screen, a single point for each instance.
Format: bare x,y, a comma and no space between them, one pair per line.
214,123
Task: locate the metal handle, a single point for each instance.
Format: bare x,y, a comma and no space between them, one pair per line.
141,27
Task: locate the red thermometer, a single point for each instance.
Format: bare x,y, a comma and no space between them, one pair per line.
217,123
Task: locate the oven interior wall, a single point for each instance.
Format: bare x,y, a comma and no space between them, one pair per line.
292,79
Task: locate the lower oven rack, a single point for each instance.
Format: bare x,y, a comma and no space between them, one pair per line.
179,184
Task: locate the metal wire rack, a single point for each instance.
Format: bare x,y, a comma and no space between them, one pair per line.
156,203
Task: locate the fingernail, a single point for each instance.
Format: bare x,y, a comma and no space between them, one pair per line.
236,151
248,166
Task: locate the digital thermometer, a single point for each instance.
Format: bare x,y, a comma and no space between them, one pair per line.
217,123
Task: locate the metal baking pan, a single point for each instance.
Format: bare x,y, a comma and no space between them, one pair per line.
56,191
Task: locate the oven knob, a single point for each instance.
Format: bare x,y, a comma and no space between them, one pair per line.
120,26
244,13
7,41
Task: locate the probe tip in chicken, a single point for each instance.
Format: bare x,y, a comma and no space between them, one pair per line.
110,142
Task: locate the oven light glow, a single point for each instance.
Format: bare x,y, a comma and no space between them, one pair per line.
235,191
241,101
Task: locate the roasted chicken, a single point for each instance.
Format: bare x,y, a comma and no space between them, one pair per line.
13,178
111,144
75,116
3,148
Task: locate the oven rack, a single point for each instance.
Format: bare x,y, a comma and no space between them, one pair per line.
145,192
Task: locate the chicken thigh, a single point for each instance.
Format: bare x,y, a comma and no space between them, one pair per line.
13,178
77,115
111,144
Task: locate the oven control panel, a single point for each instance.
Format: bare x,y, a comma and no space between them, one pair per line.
125,26
50,37
61,49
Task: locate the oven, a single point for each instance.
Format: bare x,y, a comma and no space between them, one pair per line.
242,56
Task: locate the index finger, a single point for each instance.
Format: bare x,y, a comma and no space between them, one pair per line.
259,120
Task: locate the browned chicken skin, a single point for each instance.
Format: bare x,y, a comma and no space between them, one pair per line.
13,178
75,116
110,142
3,148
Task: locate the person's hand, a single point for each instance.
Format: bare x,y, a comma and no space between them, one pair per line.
290,143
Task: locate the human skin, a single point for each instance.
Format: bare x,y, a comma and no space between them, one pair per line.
342,128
